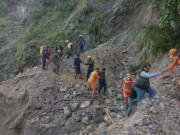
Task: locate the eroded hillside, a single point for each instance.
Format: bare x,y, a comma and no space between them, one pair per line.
38,102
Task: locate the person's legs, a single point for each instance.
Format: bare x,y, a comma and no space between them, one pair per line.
76,72
94,93
100,87
126,102
82,49
104,88
79,50
79,72
152,92
88,74
130,101
54,66
93,87
68,55
140,94
48,62
43,62
57,67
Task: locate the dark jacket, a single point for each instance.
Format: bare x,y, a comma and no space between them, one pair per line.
55,57
90,64
45,53
81,42
102,77
142,82
77,62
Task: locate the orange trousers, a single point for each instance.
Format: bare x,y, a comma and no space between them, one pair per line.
92,85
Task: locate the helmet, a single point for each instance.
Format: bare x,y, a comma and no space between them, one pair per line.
129,75
89,57
59,51
67,41
172,52
69,45
80,35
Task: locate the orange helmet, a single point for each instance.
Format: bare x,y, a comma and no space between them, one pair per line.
172,52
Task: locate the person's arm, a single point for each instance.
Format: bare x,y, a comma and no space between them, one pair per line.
87,63
84,42
149,75
170,67
81,61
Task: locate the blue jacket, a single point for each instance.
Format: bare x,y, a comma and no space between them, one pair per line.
55,57
81,42
77,62
90,64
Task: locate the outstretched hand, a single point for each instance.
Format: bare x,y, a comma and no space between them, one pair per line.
178,83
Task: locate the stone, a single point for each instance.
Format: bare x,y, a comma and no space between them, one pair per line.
67,112
75,106
98,115
85,120
85,104
106,118
122,107
119,116
77,118
154,109
107,101
113,115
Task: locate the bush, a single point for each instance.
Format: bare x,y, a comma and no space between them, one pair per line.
164,34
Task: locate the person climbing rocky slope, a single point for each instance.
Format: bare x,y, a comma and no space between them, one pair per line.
159,116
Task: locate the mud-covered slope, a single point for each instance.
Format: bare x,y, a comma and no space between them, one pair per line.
40,102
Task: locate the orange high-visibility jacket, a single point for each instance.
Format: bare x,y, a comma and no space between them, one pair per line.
94,76
92,79
173,64
126,86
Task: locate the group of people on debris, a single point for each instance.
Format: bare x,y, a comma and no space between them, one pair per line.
92,75
54,54
133,89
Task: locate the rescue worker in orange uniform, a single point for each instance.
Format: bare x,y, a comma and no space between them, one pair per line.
126,85
173,53
92,81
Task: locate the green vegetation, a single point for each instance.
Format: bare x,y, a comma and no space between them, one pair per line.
51,23
165,33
